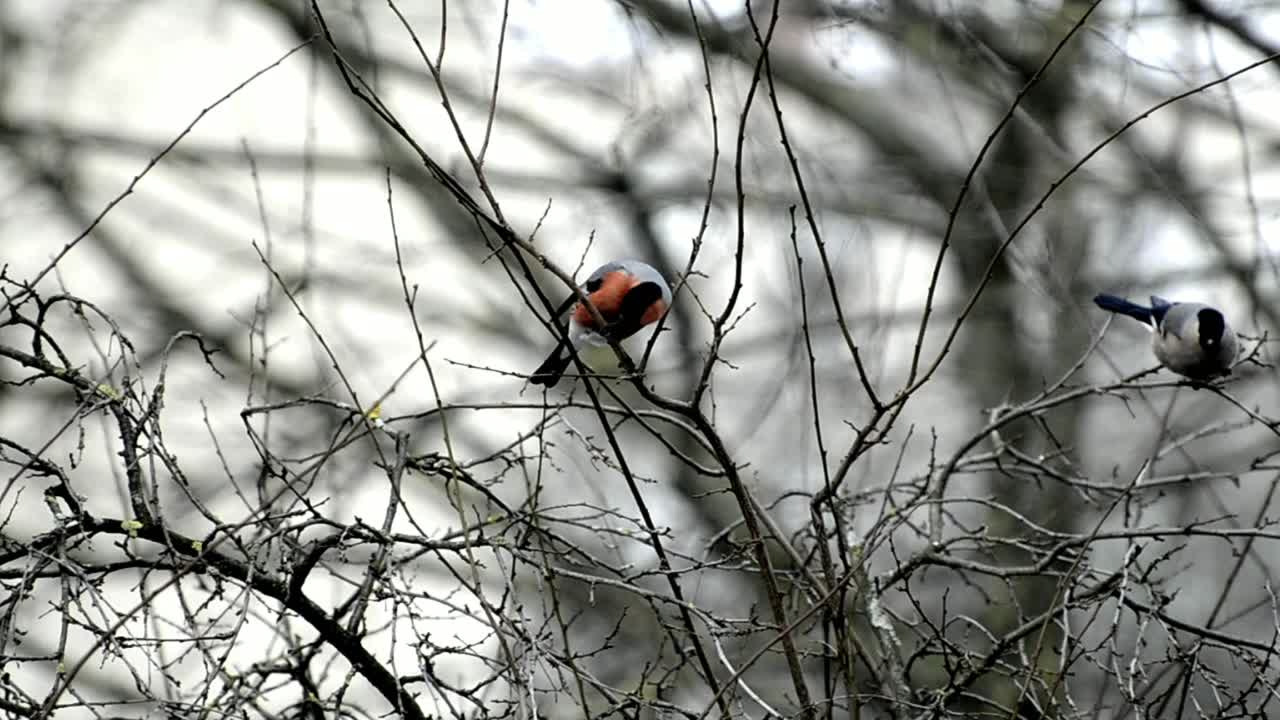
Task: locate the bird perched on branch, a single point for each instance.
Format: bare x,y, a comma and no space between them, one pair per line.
628,294
1191,339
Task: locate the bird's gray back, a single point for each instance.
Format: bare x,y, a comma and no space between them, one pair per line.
640,269
1181,318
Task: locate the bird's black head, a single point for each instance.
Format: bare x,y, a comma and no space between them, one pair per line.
1211,328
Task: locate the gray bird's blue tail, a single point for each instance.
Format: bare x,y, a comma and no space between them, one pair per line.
1114,304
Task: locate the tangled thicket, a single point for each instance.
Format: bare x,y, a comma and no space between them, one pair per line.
782,507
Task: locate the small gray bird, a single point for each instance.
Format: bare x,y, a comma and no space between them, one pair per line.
1191,339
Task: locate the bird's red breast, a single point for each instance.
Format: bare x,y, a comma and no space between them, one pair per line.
653,312
608,299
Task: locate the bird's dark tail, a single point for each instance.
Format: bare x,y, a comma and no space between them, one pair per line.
549,372
1114,304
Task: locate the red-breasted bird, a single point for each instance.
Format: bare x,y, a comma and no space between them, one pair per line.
628,294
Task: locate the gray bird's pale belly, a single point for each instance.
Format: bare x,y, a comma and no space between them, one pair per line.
1188,358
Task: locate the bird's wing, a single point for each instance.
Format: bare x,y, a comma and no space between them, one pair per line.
1175,317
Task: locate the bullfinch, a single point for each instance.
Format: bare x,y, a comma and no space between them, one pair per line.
628,294
1191,339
